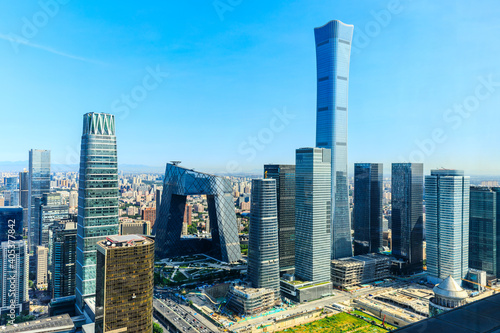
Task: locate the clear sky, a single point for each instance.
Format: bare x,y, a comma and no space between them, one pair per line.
231,84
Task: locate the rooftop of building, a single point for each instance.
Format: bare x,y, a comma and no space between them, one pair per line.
449,288
124,241
42,325
250,292
477,317
356,260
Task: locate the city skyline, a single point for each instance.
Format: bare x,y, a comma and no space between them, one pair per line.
427,88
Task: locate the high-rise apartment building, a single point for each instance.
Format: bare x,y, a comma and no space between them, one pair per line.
98,199
368,189
285,193
333,49
124,299
447,224
63,252
312,212
149,214
39,174
484,230
42,257
24,201
263,250
407,186
13,263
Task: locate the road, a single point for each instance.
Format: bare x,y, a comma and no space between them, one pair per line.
184,317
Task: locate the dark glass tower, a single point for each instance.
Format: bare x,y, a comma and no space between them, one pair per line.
407,215
333,50
285,191
39,174
97,198
368,228
484,229
24,201
63,253
263,254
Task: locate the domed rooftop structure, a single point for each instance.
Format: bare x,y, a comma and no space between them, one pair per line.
447,295
449,288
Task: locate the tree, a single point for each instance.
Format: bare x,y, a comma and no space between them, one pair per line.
192,230
157,328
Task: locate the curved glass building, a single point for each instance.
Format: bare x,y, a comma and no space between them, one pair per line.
333,50
97,198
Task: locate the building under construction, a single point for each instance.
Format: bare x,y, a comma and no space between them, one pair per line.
349,272
250,301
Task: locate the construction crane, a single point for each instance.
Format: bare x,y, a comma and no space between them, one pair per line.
482,285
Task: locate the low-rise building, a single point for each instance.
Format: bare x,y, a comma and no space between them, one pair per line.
250,301
447,295
349,272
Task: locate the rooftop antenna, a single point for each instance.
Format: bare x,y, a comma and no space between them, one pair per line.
175,162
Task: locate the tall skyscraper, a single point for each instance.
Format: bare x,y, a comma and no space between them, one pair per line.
39,174
124,299
49,208
24,201
63,254
333,49
97,197
285,193
407,215
312,212
447,224
263,251
368,190
13,263
484,229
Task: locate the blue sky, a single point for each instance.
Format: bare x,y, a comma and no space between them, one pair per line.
226,69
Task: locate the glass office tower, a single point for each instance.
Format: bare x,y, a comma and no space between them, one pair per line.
312,212
484,229
368,228
125,276
333,49
263,252
11,191
97,198
39,174
407,196
63,252
447,224
24,181
285,193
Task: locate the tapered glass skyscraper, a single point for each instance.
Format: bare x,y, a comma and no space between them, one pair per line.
97,199
333,49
